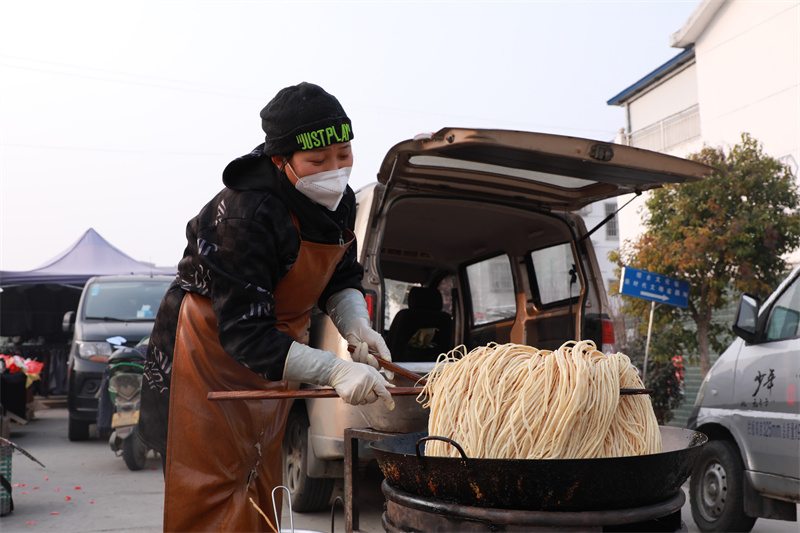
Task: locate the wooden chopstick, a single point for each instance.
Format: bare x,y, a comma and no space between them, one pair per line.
397,369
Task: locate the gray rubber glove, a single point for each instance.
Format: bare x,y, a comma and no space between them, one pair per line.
355,383
349,314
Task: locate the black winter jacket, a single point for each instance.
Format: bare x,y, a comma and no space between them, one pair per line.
239,247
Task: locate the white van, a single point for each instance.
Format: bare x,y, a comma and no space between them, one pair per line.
469,237
749,408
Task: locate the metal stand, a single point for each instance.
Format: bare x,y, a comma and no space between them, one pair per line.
351,438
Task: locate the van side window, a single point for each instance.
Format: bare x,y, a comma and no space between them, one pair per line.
446,287
491,290
396,295
551,268
784,318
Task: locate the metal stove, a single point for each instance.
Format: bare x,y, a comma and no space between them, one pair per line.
406,512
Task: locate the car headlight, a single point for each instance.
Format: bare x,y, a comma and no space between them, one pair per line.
94,351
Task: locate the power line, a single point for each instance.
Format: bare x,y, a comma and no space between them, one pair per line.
160,83
114,150
193,87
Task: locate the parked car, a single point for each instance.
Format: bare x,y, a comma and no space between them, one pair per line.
749,408
470,237
113,311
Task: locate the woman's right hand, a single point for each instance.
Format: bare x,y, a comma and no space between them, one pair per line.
355,383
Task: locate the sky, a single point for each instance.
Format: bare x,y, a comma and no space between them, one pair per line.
120,115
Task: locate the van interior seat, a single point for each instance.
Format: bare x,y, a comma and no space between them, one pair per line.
423,331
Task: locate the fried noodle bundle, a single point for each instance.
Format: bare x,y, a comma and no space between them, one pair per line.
516,402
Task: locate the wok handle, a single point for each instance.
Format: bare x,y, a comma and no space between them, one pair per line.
630,392
443,439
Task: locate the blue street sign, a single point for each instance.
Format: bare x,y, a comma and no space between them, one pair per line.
653,287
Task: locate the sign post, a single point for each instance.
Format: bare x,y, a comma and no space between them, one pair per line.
656,288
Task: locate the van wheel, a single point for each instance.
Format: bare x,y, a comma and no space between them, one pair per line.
716,489
308,494
77,430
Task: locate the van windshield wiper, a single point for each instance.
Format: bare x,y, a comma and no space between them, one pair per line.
108,318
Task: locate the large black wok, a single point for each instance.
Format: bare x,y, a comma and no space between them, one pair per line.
542,484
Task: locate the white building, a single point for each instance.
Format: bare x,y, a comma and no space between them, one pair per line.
606,238
738,71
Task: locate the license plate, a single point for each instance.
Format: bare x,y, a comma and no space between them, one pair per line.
127,418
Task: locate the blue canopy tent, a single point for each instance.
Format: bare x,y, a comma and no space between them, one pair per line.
91,255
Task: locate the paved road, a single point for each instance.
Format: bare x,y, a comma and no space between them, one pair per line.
85,488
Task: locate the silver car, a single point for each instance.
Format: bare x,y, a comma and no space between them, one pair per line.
749,408
470,237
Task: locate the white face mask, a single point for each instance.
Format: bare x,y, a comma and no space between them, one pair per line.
325,188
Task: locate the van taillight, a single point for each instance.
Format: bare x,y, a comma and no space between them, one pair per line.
609,344
369,296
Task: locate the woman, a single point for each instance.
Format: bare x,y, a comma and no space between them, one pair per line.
275,242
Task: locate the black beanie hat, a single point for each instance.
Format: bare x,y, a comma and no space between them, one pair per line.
303,117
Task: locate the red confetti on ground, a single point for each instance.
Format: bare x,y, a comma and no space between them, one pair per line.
23,485
78,488
54,512
25,492
47,479
92,502
56,490
35,488
68,498
29,523
15,485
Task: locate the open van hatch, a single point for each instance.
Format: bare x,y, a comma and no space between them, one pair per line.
549,171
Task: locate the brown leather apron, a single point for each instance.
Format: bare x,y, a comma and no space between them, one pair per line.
221,454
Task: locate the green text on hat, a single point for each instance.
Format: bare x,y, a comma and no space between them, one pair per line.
324,137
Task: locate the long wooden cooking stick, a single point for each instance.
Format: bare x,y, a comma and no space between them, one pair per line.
293,394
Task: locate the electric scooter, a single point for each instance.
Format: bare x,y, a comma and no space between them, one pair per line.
124,390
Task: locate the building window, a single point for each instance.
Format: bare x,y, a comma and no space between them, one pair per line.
611,225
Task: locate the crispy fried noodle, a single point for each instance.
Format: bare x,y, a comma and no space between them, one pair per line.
512,401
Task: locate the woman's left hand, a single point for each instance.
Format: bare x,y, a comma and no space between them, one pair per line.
348,310
368,343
